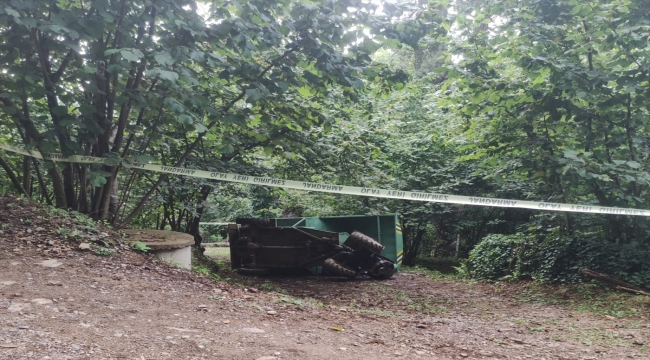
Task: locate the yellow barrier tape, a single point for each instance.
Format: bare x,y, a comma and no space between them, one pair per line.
341,189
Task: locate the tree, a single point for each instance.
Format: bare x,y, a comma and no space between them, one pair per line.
113,78
555,93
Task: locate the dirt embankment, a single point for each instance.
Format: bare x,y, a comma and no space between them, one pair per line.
104,301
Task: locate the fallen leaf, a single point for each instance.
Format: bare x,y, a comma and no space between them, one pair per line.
337,329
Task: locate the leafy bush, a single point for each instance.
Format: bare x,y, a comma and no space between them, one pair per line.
557,259
493,258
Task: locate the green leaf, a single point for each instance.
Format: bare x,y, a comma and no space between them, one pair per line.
111,51
75,147
131,54
200,127
164,58
227,149
112,160
185,119
163,74
253,94
570,153
304,91
12,12
98,181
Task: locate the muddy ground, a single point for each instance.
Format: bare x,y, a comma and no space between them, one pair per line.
58,301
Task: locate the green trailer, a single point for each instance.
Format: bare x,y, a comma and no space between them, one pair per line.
338,245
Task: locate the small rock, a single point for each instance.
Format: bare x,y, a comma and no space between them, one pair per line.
253,330
266,358
15,307
464,355
638,342
181,329
342,348
185,337
419,352
54,283
271,312
253,290
421,326
277,353
518,341
84,246
504,330
52,263
7,283
226,321
39,229
41,301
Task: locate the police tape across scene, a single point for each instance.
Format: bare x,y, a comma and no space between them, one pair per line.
342,189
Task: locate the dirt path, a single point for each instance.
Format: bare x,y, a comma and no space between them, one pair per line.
128,306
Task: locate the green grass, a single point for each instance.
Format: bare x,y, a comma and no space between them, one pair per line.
217,252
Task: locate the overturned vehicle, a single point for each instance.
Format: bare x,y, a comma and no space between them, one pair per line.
345,246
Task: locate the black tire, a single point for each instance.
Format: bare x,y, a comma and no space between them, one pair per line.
334,268
256,222
358,241
382,270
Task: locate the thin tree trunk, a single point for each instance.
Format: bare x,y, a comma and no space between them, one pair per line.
12,177
193,225
41,182
27,174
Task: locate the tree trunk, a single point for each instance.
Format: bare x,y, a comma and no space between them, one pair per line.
41,182
193,226
27,174
413,246
12,177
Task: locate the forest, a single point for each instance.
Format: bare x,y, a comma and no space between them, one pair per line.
544,100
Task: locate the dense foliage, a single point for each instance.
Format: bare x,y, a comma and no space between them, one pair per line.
556,258
522,99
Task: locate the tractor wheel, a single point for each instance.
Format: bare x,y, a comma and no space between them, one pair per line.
334,268
257,222
359,241
382,270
